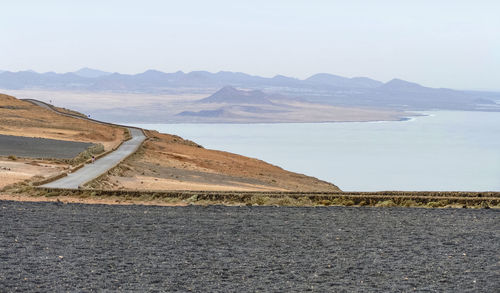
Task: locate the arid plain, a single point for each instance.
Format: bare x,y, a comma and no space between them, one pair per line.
166,108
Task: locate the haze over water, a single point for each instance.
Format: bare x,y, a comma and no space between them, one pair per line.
447,150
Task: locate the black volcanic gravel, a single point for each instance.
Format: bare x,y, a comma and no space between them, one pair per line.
40,147
74,247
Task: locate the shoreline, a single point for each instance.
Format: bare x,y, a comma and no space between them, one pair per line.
402,119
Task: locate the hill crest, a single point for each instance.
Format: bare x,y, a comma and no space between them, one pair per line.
231,95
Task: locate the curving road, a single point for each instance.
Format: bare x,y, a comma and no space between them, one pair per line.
99,167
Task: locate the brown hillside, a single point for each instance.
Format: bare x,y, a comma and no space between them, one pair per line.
25,119
168,162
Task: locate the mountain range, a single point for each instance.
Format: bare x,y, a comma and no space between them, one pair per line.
153,80
320,88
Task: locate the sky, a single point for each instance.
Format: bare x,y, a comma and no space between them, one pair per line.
454,44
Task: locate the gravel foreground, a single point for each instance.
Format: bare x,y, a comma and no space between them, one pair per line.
75,247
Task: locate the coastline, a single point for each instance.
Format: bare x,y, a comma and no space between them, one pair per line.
422,154
411,116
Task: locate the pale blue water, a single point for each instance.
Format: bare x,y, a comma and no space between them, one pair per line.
448,150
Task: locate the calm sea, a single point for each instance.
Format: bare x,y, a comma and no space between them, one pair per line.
445,150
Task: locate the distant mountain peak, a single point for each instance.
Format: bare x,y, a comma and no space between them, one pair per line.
279,76
228,88
231,95
336,81
91,73
397,83
152,72
325,77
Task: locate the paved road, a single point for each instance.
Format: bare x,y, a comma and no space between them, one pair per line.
92,171
48,106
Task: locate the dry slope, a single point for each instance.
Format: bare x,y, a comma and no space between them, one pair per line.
22,118
168,162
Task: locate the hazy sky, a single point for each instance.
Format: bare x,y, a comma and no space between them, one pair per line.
437,43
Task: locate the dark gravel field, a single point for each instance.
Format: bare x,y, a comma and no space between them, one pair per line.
40,147
73,247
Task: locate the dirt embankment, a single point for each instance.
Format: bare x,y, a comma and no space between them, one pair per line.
22,118
168,162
